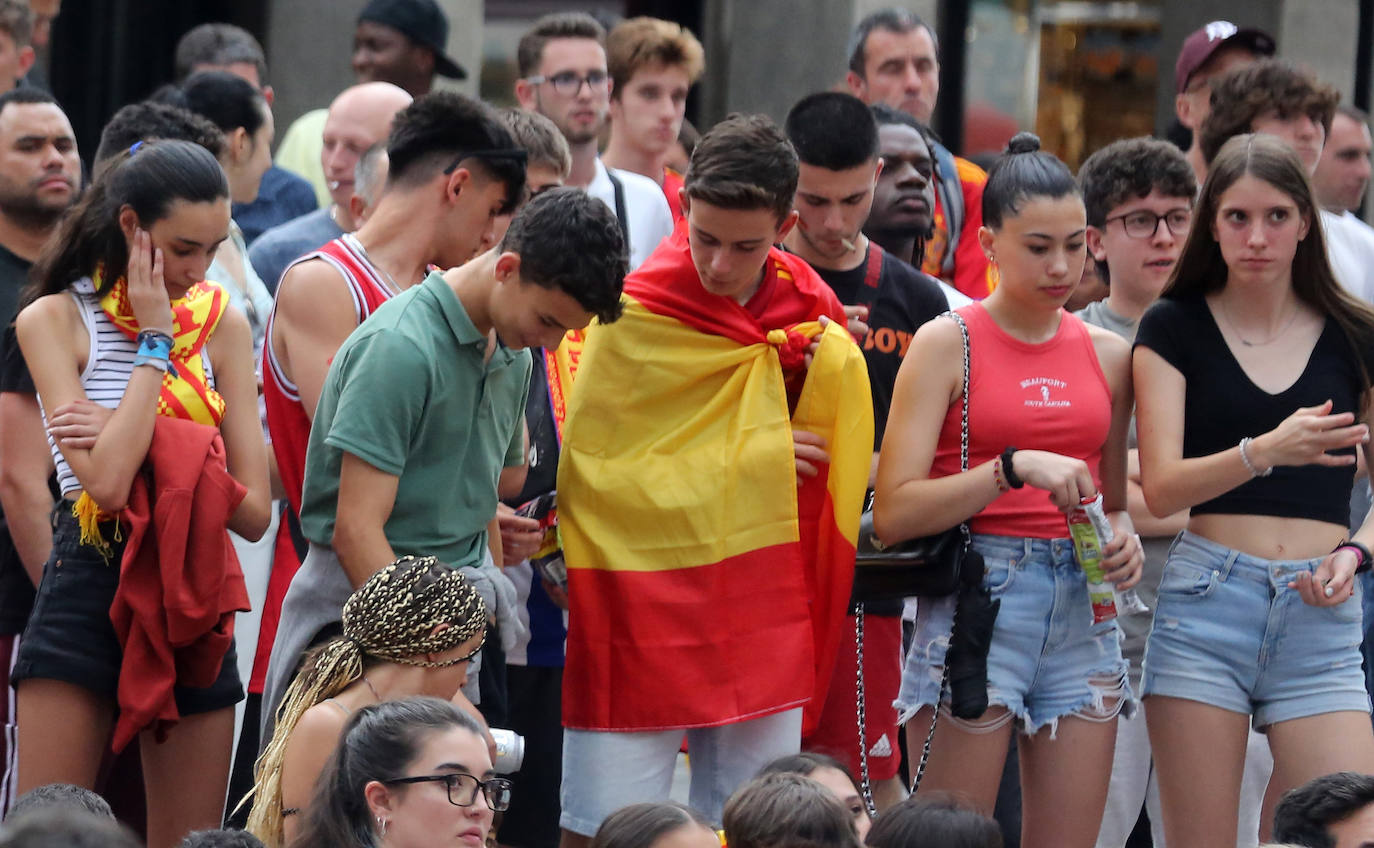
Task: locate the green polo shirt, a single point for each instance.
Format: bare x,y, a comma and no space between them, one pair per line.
409,394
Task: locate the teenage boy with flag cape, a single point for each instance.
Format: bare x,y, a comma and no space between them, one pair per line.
713,467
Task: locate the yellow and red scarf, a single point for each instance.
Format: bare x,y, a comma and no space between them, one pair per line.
188,393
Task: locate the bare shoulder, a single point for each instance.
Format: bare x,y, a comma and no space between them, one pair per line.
310,286
321,724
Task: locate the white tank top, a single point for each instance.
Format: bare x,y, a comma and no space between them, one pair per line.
109,364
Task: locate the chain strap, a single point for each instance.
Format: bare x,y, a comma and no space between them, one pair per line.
963,527
861,710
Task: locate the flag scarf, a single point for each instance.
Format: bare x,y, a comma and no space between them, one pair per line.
706,587
187,394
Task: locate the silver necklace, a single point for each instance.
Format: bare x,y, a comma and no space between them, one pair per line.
1227,315
358,245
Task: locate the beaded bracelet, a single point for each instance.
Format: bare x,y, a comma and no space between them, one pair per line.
1250,466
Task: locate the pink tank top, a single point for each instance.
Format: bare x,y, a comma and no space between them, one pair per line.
1051,396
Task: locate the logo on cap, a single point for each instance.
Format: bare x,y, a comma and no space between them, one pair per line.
1221,30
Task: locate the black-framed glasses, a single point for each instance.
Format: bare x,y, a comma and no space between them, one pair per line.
515,154
462,789
569,83
1143,223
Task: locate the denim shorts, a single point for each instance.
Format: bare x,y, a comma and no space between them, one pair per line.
1229,632
70,638
1048,659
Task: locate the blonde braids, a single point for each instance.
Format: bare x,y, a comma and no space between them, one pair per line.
392,617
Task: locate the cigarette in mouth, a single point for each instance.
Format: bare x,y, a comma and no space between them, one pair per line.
848,245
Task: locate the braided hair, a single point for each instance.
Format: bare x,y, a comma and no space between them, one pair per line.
392,617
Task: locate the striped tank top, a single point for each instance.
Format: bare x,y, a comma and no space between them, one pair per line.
109,363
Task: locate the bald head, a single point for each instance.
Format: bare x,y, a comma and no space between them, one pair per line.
358,118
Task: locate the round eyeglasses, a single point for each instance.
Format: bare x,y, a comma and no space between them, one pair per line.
1143,223
462,789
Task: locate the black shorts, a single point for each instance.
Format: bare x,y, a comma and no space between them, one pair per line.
70,638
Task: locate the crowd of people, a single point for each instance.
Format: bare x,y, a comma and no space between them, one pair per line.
529,450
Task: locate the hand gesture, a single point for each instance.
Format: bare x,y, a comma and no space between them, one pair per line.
1306,437
1123,558
147,292
1333,582
78,424
520,536
809,449
1067,480
857,316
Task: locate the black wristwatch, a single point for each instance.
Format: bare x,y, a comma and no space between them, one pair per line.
1366,562
1010,473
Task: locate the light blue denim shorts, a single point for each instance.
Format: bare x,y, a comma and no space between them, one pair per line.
1229,632
1048,659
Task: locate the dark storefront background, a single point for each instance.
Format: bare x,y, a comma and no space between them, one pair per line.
106,53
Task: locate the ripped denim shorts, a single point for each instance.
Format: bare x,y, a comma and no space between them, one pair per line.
1048,659
1229,632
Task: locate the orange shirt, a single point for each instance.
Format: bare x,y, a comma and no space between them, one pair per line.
973,274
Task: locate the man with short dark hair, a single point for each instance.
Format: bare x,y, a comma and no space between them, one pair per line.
453,167
706,592
1207,53
836,139
563,76
402,42
424,403
1138,195
1334,811
40,178
894,59
282,195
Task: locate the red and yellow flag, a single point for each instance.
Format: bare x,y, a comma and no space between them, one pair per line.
706,586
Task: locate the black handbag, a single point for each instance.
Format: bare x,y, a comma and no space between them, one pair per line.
929,566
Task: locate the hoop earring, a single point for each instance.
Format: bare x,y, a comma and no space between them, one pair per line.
382,823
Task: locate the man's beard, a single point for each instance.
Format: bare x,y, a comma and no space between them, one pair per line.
26,210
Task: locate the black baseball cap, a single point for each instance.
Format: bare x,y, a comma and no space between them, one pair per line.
423,22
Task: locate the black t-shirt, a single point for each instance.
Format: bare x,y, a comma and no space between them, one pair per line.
16,592
1222,405
14,276
899,301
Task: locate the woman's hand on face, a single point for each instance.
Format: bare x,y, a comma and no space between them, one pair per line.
1124,556
1332,583
1067,480
1306,437
147,291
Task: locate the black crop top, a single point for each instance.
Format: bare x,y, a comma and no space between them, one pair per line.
1222,405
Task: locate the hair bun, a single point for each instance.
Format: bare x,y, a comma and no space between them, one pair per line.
1023,142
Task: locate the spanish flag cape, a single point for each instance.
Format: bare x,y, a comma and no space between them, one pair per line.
706,586
186,392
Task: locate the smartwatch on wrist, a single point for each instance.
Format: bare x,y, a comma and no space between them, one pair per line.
1009,471
1365,560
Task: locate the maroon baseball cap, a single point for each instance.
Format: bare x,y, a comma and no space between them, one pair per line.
1199,47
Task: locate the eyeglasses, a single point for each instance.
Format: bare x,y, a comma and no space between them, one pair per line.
1143,223
569,83
497,789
